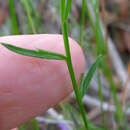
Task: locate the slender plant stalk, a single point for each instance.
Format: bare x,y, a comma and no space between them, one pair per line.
89,16
95,24
104,18
82,22
31,23
36,18
69,63
13,18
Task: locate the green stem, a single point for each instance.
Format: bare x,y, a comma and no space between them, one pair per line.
96,27
69,62
13,18
64,21
82,22
29,16
72,75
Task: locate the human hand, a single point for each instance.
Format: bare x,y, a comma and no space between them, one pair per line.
30,86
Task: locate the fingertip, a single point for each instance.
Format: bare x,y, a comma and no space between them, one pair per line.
29,86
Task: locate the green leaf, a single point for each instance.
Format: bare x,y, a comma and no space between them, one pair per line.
86,81
35,53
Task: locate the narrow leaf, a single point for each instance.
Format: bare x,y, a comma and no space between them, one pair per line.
86,81
35,53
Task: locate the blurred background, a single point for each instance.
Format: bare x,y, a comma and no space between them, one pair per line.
115,15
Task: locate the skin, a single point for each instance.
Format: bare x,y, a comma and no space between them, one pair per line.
29,86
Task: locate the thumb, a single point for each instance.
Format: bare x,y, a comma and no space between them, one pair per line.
28,85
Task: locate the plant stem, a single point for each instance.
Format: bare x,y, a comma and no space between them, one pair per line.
96,27
70,66
25,3
72,75
13,18
82,22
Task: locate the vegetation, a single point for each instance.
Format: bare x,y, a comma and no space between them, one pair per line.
99,65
